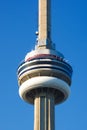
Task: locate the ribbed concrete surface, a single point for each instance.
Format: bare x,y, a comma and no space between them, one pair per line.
44,112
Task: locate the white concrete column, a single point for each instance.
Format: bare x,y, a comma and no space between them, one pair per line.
44,20
44,112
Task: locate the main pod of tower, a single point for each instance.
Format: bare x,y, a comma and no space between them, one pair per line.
44,70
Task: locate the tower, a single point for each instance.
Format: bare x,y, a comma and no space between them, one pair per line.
44,77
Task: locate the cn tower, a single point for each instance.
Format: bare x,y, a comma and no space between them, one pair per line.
44,77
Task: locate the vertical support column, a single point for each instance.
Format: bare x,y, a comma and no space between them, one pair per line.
44,112
44,22
37,113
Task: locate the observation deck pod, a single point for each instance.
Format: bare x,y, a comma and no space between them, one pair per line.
44,71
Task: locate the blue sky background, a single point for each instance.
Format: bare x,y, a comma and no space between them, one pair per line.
18,23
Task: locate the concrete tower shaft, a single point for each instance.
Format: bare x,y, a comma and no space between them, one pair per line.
44,24
44,19
44,112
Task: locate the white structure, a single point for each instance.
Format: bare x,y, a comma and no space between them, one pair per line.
44,77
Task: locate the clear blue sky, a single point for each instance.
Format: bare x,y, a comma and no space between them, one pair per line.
18,23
